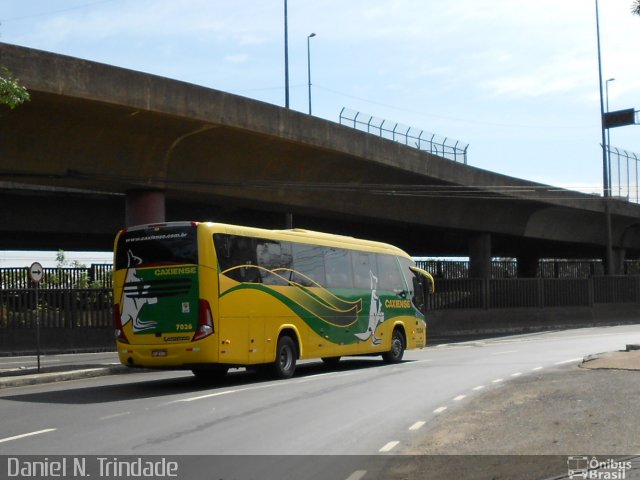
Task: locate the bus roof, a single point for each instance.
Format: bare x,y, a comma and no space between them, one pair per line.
309,236
292,235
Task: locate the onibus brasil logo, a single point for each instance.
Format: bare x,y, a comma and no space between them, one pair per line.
609,469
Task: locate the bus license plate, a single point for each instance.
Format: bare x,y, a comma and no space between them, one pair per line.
158,353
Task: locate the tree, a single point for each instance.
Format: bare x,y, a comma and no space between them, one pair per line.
12,93
635,8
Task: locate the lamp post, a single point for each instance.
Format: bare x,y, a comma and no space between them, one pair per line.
309,37
606,89
288,220
286,57
606,193
605,170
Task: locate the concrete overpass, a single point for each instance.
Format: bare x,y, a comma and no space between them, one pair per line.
98,147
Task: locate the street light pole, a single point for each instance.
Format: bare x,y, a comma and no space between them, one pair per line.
286,57
309,37
605,170
289,216
606,89
606,193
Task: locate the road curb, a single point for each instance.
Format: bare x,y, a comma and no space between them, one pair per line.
51,377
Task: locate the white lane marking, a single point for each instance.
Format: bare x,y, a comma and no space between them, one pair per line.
440,410
479,387
517,374
537,369
115,415
459,397
505,352
357,475
572,360
417,425
24,435
497,380
389,446
209,395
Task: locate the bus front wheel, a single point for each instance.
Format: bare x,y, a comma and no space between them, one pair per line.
285,364
397,348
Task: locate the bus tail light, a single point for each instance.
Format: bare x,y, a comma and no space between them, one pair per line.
117,321
205,322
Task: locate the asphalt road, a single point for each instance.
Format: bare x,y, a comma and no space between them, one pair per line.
363,408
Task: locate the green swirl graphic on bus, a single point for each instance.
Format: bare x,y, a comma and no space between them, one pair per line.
326,312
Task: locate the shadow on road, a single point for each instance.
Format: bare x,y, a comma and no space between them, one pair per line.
145,388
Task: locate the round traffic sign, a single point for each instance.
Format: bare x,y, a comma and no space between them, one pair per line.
36,272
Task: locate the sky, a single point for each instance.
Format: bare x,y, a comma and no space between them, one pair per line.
517,81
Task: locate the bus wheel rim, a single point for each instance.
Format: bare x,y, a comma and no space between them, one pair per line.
285,358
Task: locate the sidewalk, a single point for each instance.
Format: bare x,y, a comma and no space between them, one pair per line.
17,371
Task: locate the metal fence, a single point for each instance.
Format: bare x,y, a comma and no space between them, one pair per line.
429,142
474,293
96,276
88,308
624,175
452,269
57,308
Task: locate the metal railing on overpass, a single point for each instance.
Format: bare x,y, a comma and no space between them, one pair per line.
429,142
624,175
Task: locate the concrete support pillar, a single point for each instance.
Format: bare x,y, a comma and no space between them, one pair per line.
480,255
144,206
527,265
619,256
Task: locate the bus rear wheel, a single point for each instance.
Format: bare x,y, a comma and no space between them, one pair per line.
397,347
285,364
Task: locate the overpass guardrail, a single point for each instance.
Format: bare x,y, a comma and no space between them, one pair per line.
444,147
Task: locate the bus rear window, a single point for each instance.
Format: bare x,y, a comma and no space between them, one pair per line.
157,246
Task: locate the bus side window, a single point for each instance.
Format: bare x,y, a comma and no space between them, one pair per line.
308,263
237,257
389,277
364,265
338,268
275,261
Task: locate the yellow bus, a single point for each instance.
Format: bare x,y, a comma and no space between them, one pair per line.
210,296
